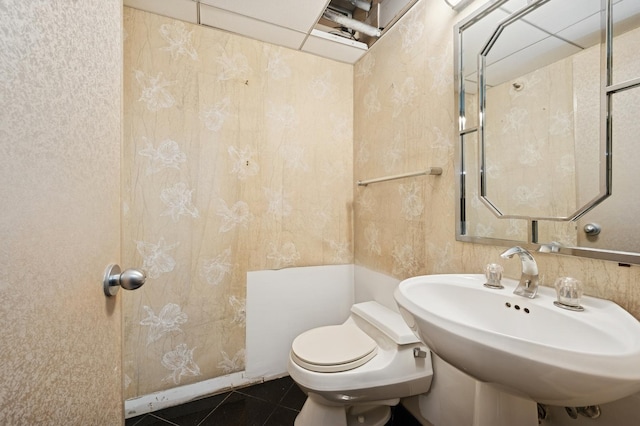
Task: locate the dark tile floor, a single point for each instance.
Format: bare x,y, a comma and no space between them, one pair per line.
273,403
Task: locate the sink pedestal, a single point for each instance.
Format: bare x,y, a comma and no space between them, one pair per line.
495,407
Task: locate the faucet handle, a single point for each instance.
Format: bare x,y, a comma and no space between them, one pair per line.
569,291
493,272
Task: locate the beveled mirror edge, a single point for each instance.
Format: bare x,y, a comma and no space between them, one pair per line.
622,258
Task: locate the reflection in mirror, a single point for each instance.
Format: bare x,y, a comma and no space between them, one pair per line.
618,215
538,109
626,61
540,101
479,220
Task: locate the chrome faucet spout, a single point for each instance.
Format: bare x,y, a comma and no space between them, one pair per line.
529,281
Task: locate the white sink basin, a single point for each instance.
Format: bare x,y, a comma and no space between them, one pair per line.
528,347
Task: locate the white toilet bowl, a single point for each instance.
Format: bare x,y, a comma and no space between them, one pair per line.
352,373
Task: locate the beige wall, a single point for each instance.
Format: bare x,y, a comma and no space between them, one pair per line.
404,121
237,157
60,134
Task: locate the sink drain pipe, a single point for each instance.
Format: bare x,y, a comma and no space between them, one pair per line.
590,411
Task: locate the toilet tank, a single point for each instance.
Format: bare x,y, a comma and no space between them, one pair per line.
385,320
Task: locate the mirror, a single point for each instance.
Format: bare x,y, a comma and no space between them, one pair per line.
547,93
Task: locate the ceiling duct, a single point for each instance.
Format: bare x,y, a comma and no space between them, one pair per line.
361,4
351,23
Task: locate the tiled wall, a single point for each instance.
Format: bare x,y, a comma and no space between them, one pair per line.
404,116
237,157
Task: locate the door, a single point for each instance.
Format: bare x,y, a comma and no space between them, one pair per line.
60,133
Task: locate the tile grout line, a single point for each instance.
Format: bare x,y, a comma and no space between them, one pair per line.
266,421
292,387
265,399
163,419
274,404
215,408
279,403
285,393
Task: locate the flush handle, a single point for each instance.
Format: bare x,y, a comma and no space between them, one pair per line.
130,279
419,353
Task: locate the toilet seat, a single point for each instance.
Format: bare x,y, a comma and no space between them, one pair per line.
333,348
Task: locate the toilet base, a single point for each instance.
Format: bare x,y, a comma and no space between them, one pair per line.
314,413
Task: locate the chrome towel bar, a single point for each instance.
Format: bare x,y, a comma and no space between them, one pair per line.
429,171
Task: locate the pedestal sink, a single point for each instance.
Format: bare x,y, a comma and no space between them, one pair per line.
526,347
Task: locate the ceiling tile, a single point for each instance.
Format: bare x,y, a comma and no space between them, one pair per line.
535,56
249,27
184,10
556,16
514,38
294,14
334,47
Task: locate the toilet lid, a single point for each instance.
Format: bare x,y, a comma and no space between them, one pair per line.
333,348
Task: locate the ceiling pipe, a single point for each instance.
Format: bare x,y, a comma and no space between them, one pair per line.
361,4
353,24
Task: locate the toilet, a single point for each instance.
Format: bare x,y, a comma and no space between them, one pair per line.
354,372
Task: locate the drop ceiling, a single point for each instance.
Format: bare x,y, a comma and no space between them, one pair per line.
294,24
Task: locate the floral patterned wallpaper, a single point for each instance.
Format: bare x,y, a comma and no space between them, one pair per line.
403,113
540,118
237,157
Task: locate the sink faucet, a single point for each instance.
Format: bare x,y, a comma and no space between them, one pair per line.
528,286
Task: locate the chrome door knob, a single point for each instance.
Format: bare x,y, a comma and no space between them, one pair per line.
130,279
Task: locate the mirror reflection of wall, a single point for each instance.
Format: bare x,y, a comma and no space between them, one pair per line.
618,215
480,221
530,106
544,126
529,143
